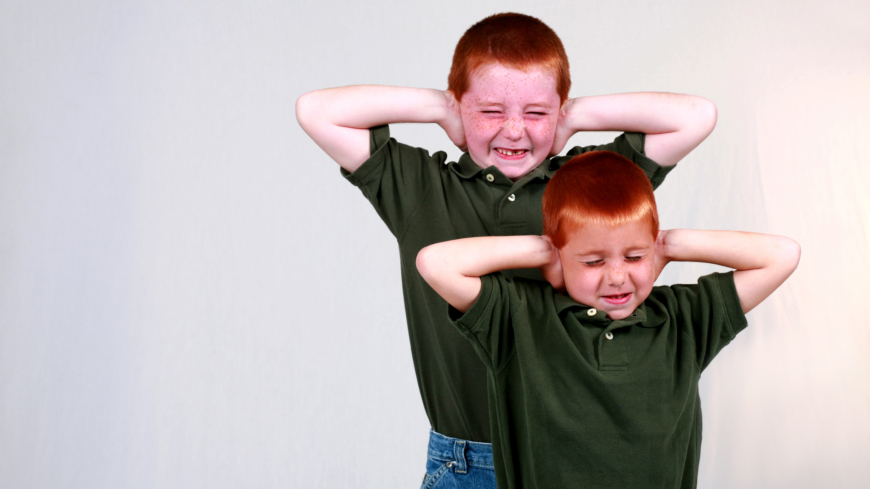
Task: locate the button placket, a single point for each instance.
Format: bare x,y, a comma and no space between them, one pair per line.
613,351
513,208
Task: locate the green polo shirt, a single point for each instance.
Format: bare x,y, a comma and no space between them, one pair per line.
425,200
579,400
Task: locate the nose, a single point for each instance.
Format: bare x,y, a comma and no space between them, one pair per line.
616,275
514,127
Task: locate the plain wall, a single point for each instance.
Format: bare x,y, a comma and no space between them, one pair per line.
192,296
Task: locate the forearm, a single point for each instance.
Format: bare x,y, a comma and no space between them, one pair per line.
762,262
454,268
366,106
732,249
674,123
338,119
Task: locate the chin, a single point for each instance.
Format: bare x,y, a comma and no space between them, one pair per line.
617,315
514,173
517,171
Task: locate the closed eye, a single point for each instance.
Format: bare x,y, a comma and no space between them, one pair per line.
633,258
593,263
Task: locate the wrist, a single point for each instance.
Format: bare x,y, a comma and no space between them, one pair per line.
439,107
572,111
668,240
532,251
414,105
580,114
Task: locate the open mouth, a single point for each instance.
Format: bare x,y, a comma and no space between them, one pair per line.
617,299
512,152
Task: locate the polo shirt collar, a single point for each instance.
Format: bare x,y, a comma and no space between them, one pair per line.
648,317
548,168
466,167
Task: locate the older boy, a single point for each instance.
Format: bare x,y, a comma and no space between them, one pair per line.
599,388
508,105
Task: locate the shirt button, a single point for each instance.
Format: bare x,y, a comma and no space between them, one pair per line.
512,197
592,312
490,177
608,335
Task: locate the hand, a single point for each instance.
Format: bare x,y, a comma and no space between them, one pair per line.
552,271
452,124
564,130
660,252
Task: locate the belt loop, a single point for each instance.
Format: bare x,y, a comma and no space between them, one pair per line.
459,454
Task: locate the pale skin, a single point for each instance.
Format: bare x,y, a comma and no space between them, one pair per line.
599,271
509,118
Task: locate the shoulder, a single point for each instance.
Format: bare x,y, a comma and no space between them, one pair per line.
395,163
712,288
629,145
713,296
520,293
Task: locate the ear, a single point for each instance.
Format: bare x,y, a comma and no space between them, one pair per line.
552,272
660,254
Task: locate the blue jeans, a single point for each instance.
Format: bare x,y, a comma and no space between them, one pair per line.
460,464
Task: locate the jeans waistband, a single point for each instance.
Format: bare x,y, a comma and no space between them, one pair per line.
463,453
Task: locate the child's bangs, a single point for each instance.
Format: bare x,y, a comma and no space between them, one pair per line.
570,220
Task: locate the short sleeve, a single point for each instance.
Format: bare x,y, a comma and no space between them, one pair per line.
395,178
630,145
713,313
488,324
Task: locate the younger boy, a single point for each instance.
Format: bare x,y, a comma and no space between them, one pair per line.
507,104
599,388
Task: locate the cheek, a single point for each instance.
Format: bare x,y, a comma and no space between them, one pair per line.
584,282
542,131
479,129
644,277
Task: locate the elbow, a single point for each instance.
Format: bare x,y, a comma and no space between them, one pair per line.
425,267
792,254
706,115
786,255
305,108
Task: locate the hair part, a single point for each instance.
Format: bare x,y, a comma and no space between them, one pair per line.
599,187
516,41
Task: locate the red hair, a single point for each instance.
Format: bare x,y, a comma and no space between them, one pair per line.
515,40
597,187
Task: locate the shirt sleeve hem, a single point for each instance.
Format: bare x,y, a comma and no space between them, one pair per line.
655,172
378,138
470,322
736,319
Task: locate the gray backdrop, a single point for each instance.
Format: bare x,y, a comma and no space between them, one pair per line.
192,297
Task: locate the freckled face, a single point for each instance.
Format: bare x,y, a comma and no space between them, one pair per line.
610,268
510,118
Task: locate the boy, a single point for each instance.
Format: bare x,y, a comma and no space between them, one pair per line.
599,388
507,104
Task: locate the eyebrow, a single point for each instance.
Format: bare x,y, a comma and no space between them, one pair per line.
602,252
492,103
589,253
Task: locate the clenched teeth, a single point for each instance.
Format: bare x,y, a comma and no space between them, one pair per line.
508,152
